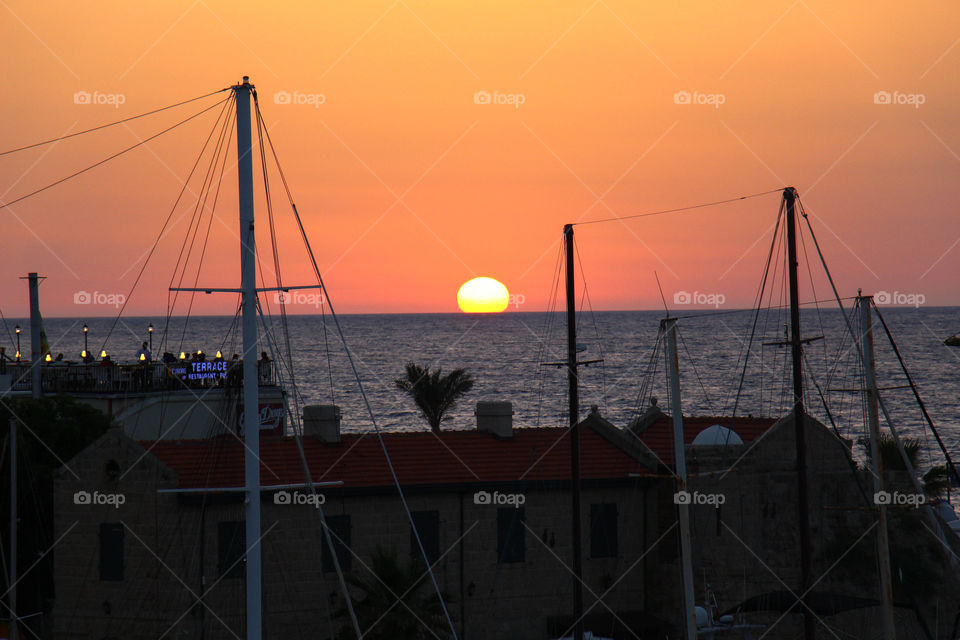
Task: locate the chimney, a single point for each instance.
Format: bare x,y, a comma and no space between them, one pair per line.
322,421
495,418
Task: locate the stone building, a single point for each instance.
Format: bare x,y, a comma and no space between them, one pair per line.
492,506
493,511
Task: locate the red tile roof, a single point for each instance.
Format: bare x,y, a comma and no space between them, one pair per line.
659,436
420,458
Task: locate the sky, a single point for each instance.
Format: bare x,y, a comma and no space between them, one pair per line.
427,143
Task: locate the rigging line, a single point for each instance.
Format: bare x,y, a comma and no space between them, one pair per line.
753,330
6,327
104,126
547,332
165,223
813,287
916,393
769,307
206,238
196,219
261,127
216,125
373,420
108,159
593,318
286,187
696,372
680,209
366,401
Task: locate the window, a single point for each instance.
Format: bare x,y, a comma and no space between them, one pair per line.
340,535
231,547
428,526
510,534
111,551
603,530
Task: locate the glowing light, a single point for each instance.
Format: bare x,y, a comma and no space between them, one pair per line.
48,358
142,357
183,356
483,295
83,354
219,355
103,354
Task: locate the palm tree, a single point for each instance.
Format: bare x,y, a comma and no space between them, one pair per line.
395,602
433,392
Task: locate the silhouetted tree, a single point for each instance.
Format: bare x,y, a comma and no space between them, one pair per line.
433,392
396,602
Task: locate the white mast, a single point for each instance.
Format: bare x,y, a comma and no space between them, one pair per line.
251,392
873,419
686,561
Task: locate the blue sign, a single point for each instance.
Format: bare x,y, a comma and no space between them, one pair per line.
202,370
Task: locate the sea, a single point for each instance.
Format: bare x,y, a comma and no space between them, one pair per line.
731,362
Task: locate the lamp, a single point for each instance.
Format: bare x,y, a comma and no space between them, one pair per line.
150,332
17,331
85,330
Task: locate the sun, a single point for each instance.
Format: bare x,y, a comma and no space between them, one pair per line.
483,295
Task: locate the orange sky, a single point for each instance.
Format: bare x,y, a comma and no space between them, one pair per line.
409,188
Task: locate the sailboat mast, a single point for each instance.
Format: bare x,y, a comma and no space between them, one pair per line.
799,414
14,621
873,418
669,327
574,396
36,339
251,421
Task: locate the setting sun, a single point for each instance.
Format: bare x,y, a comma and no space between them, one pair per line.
483,295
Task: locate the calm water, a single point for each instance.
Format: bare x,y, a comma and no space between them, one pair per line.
505,352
